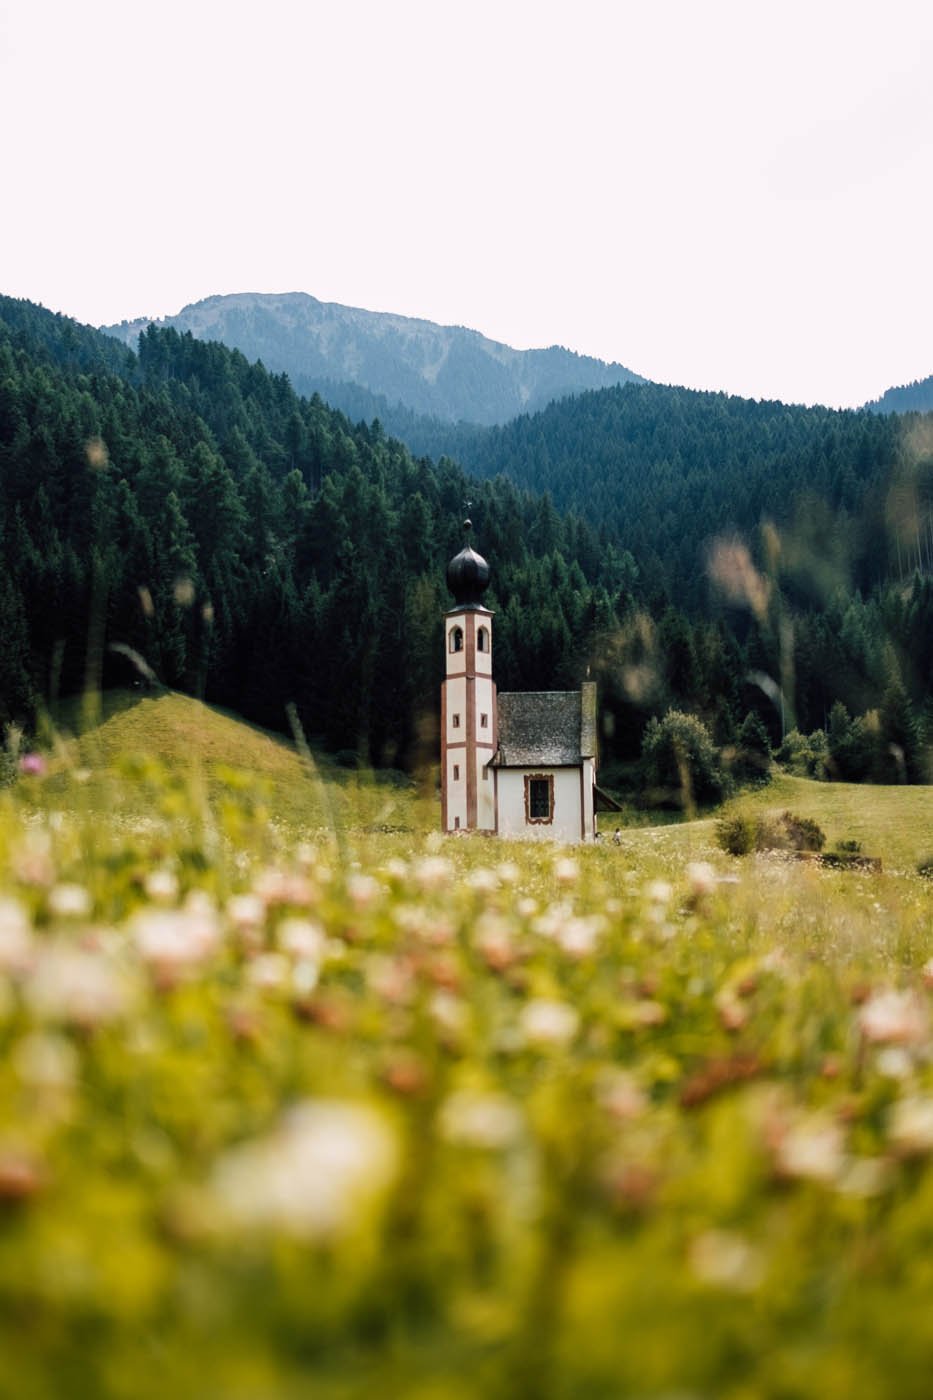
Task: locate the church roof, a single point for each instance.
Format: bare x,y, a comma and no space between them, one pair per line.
546,728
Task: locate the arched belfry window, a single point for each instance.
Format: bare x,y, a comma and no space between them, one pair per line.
456,639
482,639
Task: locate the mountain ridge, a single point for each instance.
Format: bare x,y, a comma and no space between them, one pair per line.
451,373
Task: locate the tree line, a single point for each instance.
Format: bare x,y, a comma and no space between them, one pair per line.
182,517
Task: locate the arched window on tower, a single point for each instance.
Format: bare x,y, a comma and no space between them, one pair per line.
482,639
456,639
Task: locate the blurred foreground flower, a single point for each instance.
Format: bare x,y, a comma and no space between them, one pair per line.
549,1022
318,1176
15,936
76,988
480,1120
32,765
894,1018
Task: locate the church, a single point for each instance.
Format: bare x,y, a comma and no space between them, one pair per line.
520,764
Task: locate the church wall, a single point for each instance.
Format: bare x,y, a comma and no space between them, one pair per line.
567,818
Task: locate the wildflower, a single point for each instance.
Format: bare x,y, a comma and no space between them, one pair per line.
433,873
545,1022
171,942
247,913
161,886
812,1149
486,1120
701,877
659,892
69,902
302,939
43,1060
578,937
566,871
269,971
910,1126
362,890
15,937
75,987
316,1176
32,765
725,1259
277,887
32,861
305,976
621,1095
483,881
894,1018
448,1013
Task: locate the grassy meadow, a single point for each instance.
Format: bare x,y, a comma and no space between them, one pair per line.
299,1098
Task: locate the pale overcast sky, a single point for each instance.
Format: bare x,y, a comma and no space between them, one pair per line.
725,195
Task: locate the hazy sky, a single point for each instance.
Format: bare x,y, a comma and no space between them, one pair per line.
725,195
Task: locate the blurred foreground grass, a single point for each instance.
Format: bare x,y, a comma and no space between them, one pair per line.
297,1098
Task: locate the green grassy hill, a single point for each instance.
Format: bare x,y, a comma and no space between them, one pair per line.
895,823
218,755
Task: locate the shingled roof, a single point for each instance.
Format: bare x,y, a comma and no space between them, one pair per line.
546,728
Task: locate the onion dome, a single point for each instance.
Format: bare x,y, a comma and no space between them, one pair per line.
468,575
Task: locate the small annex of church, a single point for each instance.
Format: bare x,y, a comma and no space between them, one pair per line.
519,764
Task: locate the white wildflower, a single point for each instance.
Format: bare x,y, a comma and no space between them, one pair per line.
43,1060
433,873
910,1126
69,901
448,1012
171,941
75,987
725,1259
302,939
546,1022
701,877
812,1148
246,912
566,871
483,881
161,886
362,890
16,944
316,1177
579,937
894,1018
269,971
894,1062
487,1120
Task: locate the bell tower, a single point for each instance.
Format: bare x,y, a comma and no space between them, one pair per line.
468,699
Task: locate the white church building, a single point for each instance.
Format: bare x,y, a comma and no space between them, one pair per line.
521,764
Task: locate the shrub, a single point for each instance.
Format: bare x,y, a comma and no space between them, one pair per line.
680,764
742,832
737,834
805,755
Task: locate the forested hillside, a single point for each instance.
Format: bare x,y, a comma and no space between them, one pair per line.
252,546
184,516
668,470
916,397
372,364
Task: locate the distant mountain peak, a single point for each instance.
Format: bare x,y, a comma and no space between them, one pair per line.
451,373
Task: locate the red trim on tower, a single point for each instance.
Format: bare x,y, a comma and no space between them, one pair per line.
470,621
444,756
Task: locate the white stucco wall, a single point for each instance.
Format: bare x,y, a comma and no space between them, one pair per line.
566,825
456,790
456,705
